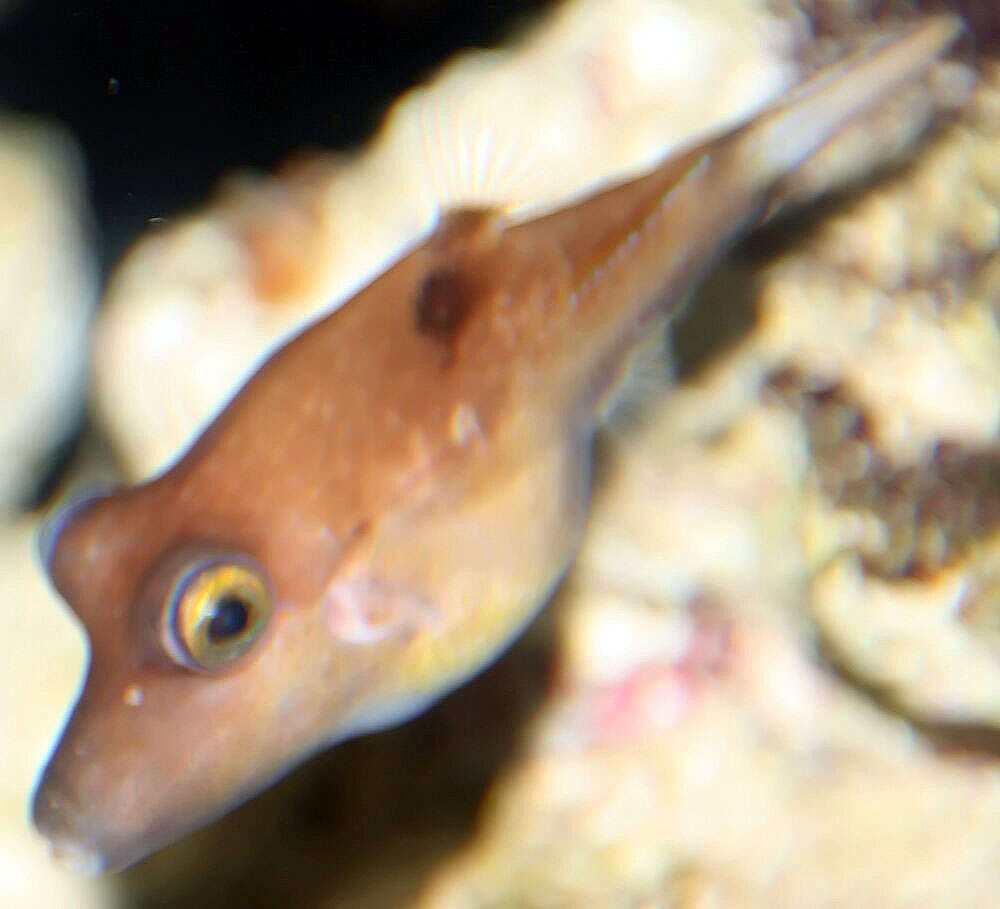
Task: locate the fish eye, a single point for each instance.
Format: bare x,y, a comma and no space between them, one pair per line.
215,613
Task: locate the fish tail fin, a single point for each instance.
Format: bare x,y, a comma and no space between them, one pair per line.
780,140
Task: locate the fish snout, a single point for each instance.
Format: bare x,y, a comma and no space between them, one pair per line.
63,822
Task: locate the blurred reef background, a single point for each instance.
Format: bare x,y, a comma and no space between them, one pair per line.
773,676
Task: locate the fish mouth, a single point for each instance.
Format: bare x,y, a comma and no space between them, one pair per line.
78,844
78,840
51,816
77,858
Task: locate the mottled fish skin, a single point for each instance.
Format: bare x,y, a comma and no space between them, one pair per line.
405,482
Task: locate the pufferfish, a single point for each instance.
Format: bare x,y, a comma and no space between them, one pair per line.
396,492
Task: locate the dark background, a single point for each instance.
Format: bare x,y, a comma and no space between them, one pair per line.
167,96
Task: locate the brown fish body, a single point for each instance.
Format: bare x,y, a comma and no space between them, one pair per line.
392,496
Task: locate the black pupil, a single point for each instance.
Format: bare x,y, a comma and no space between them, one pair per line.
230,617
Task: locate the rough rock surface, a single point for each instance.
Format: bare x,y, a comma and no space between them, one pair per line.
47,293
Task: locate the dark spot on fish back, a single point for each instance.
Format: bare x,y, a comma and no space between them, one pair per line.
443,302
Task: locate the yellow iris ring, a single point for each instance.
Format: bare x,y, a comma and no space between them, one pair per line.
196,606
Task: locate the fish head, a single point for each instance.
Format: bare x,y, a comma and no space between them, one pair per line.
209,675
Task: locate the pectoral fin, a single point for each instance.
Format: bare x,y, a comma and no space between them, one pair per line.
366,610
